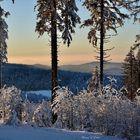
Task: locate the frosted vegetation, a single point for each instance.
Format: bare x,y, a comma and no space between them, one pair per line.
109,112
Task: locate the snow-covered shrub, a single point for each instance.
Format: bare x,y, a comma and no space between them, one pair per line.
108,113
10,105
63,108
109,91
111,115
28,112
123,92
42,115
138,92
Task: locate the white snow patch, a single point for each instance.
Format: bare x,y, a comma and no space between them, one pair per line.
46,93
30,133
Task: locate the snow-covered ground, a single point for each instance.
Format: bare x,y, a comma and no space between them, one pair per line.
30,133
46,93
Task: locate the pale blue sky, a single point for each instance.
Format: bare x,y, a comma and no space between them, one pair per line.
25,47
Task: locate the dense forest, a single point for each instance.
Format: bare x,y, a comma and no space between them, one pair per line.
30,77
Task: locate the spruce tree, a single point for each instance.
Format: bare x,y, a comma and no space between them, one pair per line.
136,14
105,15
3,38
138,68
93,83
56,16
130,76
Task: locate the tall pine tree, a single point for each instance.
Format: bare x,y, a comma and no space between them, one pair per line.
56,16
105,15
136,13
138,67
3,38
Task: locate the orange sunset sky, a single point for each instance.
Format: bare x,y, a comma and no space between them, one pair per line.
25,47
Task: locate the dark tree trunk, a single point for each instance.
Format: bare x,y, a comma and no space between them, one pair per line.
54,78
139,74
0,74
102,43
131,78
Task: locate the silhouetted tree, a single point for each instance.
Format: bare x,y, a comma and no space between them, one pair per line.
3,38
105,15
135,9
138,65
130,74
56,16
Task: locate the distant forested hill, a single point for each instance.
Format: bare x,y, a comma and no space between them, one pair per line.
112,68
32,77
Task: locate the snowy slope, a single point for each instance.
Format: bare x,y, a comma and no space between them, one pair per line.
29,133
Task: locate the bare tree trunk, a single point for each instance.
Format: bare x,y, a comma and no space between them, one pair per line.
54,78
0,74
102,43
131,75
139,74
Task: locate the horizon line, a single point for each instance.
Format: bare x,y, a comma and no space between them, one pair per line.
63,64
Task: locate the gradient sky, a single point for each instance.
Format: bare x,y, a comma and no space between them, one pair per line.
25,47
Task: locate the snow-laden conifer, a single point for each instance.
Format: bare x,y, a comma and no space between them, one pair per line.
53,17
105,15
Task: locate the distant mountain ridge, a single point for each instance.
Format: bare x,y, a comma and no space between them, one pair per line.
113,68
42,66
38,77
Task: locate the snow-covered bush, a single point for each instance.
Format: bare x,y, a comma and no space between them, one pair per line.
111,115
42,115
63,107
16,111
10,105
108,113
28,112
138,92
